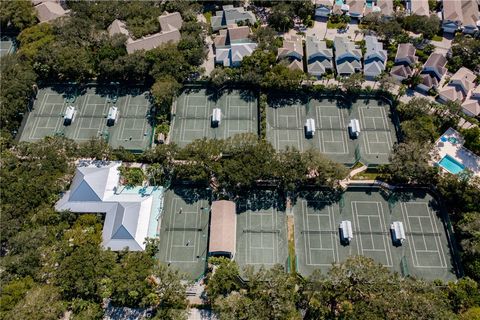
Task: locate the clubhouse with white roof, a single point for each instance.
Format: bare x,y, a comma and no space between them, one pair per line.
94,189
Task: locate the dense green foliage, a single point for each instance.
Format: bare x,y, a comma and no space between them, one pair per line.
53,262
358,288
16,15
427,26
465,53
244,162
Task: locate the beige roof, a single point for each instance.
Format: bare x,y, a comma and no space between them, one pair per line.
47,11
296,65
117,27
406,51
153,41
170,21
464,11
326,3
231,35
452,93
356,6
437,61
292,45
472,106
466,77
223,227
420,7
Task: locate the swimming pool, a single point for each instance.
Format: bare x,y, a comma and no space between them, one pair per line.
339,2
451,165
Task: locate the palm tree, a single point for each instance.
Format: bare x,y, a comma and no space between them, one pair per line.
154,171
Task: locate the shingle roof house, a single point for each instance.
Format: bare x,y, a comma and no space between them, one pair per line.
433,71
356,8
348,57
460,14
231,15
471,106
459,87
375,59
49,10
405,61
384,7
292,50
418,7
127,219
319,57
323,8
232,45
170,24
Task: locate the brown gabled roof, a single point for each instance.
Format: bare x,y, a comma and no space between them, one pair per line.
170,21
153,41
117,27
420,7
223,227
406,50
472,106
402,71
465,77
47,11
238,33
438,61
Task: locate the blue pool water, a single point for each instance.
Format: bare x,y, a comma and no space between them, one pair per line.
339,2
369,4
451,165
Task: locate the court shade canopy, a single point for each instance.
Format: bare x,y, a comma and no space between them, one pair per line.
223,225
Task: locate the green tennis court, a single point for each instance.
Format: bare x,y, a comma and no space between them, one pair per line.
193,115
6,46
131,130
426,252
184,231
261,232
286,127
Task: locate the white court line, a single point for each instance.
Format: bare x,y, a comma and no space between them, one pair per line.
309,248
250,246
380,213
434,228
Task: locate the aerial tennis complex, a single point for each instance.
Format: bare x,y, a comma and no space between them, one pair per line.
426,252
88,111
192,115
286,128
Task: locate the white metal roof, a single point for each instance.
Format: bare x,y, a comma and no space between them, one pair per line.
127,215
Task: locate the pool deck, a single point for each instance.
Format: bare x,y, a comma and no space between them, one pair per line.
456,151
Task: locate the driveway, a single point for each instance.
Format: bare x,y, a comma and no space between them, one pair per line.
319,28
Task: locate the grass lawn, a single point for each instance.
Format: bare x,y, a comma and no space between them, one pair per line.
437,38
338,25
208,16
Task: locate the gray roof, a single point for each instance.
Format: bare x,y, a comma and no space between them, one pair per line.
127,215
375,57
230,15
319,57
406,52
347,56
117,27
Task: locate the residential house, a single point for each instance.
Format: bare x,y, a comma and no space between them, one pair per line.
405,61
459,87
170,24
356,8
292,50
418,7
471,106
323,8
383,7
319,57
49,10
129,216
353,8
461,15
433,72
232,45
231,15
375,59
348,57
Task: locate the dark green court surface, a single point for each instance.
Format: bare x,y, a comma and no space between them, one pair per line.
426,252
286,121
6,45
193,111
184,231
261,231
132,130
